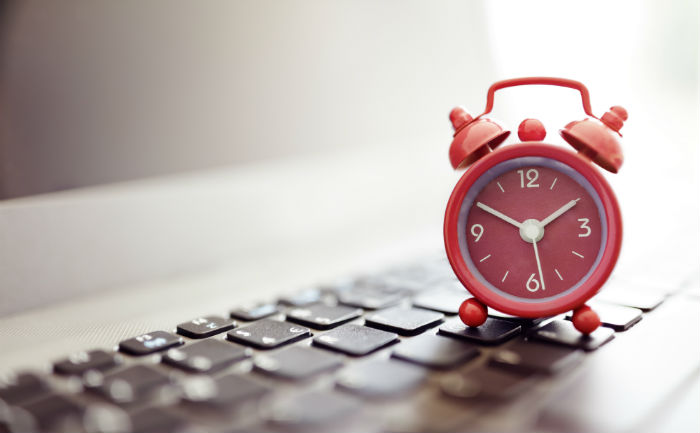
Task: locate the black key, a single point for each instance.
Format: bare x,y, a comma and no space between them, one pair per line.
563,332
485,383
104,418
149,343
630,296
311,410
254,313
16,419
404,321
493,331
78,363
529,357
52,409
251,429
380,378
435,351
296,362
399,283
22,386
203,327
300,299
127,385
156,420
617,317
524,321
321,316
338,286
268,334
445,300
355,340
227,390
369,297
206,356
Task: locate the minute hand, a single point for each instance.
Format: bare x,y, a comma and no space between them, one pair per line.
498,214
557,213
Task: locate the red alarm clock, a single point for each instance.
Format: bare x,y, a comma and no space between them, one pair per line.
533,229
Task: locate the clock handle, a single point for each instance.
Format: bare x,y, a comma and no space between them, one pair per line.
548,81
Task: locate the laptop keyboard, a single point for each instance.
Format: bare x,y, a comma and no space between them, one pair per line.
315,360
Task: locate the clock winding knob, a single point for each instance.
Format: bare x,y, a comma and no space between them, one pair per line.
531,130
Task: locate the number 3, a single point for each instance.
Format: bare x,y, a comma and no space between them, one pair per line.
584,222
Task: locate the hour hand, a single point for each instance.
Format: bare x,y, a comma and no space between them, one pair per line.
559,212
498,214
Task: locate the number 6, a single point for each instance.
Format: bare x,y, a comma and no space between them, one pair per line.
531,280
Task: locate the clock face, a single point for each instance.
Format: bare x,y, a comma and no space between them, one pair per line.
532,229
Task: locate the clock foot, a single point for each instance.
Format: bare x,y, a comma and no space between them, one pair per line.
472,312
585,319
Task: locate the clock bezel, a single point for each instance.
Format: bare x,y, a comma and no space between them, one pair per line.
572,300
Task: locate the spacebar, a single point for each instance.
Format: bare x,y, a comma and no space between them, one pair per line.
626,380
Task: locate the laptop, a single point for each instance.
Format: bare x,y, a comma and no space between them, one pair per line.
295,279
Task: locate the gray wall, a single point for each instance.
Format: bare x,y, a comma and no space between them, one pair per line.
93,92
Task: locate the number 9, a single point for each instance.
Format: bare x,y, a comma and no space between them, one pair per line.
477,228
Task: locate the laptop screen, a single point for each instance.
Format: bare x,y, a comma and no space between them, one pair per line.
94,93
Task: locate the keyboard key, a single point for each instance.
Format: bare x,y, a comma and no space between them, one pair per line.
296,362
252,429
524,321
563,332
50,410
303,298
268,334
206,356
149,343
403,283
355,340
630,296
101,417
256,312
493,331
227,390
380,378
338,285
435,351
404,321
321,316
368,297
444,300
22,386
127,385
528,357
203,327
156,420
78,363
617,317
485,383
16,419
311,410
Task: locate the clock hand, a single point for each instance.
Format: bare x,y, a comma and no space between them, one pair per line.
498,214
539,265
557,213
